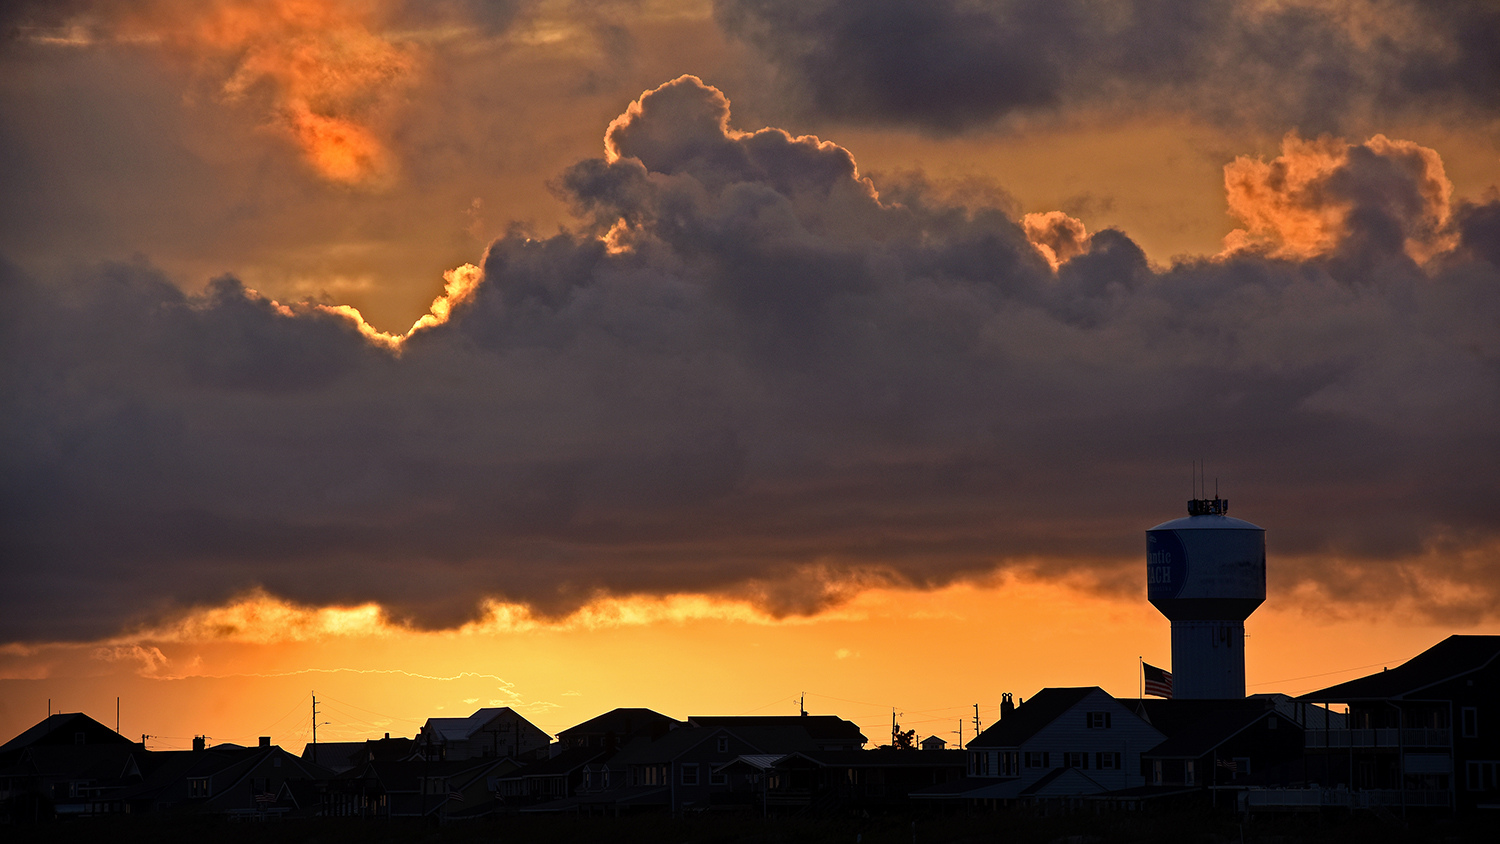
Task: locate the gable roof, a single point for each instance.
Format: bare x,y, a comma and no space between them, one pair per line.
1453,657
1030,717
623,721
337,755
60,729
463,729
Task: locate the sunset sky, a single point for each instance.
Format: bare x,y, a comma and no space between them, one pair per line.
698,355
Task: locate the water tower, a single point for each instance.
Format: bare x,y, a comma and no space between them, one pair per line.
1207,573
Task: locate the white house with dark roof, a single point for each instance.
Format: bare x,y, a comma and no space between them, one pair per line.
1060,743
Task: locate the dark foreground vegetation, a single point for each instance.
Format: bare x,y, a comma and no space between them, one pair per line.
1188,827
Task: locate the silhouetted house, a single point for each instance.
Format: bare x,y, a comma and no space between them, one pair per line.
53,781
1223,742
490,732
68,729
65,765
417,788
336,756
934,743
548,779
1063,742
226,779
615,728
340,756
1425,733
688,769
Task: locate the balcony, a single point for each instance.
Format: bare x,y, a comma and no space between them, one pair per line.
1390,737
1312,798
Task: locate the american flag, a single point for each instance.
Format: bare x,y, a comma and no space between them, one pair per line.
265,797
456,795
1230,764
1158,682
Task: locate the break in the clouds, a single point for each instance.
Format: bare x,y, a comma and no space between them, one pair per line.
947,65
328,75
752,371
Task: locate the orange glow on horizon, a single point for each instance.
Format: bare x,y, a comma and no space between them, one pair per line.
230,671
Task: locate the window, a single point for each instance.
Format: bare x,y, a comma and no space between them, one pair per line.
198,787
1156,771
1271,722
1241,765
1010,764
1188,773
1036,759
79,738
718,778
1107,761
1483,776
1097,720
690,773
1471,722
1076,760
723,746
981,763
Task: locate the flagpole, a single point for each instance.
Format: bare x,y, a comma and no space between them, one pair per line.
1141,677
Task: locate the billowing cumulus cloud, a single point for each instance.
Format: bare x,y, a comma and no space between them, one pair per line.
751,372
1319,194
951,64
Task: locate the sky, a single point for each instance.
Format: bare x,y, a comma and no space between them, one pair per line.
430,355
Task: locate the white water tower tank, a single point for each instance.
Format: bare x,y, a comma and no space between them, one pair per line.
1207,573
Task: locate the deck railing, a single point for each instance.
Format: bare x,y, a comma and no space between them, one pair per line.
1383,737
1293,798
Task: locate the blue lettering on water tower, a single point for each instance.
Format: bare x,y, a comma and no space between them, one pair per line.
1166,564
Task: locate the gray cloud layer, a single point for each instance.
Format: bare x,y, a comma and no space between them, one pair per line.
950,64
781,381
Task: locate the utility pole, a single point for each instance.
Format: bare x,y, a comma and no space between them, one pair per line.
976,719
315,727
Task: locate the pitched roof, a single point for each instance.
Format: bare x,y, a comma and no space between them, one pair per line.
1208,732
1453,657
59,729
1030,717
461,729
623,721
822,729
333,754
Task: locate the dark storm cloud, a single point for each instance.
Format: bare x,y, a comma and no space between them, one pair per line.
950,64
747,374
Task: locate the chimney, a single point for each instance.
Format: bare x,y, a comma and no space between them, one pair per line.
200,743
1007,706
387,735
265,741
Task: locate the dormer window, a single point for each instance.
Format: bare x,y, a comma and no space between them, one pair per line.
723,745
1098,720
